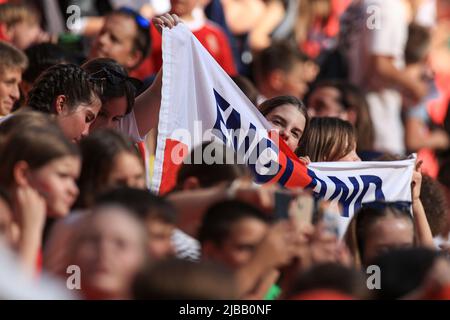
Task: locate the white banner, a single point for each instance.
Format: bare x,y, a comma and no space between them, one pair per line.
200,102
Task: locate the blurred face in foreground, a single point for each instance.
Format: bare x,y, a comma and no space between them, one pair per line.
110,249
238,248
386,234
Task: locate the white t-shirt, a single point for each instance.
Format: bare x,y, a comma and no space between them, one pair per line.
383,31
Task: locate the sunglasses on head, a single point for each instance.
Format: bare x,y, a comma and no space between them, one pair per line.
140,20
403,206
105,75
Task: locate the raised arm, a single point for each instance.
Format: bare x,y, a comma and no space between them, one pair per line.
423,231
148,103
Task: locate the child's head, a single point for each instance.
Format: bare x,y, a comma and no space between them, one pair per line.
20,24
65,91
110,160
157,215
176,279
329,139
183,8
198,171
110,248
41,57
12,63
288,115
231,231
117,91
378,227
125,37
42,158
279,71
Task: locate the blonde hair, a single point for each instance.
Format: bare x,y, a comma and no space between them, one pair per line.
11,57
327,139
14,13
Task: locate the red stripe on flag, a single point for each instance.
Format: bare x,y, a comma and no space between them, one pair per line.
174,153
299,177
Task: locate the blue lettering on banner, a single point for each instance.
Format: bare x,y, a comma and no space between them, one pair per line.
231,125
346,194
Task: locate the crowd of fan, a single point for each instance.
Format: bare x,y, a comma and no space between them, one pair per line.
341,80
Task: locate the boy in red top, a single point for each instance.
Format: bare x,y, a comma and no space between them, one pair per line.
210,35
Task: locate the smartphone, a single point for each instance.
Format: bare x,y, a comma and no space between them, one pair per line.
302,208
283,200
329,213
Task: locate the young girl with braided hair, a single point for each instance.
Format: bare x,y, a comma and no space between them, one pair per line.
65,91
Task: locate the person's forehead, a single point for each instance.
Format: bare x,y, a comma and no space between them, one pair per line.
120,221
389,228
327,91
10,72
247,228
285,110
121,25
116,106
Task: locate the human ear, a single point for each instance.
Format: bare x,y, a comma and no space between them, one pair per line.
60,104
21,172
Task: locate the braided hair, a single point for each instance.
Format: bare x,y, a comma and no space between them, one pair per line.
61,79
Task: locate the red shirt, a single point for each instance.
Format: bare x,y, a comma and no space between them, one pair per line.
210,36
144,70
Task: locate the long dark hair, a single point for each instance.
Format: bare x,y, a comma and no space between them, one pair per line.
112,80
68,80
98,151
